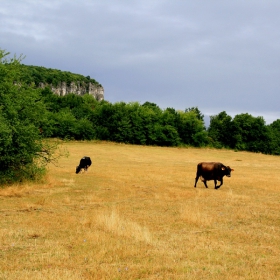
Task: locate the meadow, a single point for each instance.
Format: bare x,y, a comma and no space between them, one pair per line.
135,214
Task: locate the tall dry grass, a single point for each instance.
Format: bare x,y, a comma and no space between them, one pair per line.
136,215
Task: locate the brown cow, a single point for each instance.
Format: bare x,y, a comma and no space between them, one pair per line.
212,171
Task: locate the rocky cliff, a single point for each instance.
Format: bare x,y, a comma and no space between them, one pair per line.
78,88
61,82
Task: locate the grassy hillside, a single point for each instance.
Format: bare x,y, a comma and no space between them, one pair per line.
136,215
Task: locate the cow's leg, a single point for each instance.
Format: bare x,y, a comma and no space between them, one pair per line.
215,182
195,181
204,181
216,187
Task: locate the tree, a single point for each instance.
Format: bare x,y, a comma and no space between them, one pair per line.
24,153
219,130
137,120
250,134
191,129
199,115
274,129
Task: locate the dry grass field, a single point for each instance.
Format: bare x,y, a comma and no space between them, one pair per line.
136,215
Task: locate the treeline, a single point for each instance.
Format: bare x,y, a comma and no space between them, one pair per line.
83,118
244,133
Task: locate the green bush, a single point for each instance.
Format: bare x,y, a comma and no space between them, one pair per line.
23,151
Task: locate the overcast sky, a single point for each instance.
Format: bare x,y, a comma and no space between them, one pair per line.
219,55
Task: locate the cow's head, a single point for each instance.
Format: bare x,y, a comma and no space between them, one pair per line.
78,169
227,170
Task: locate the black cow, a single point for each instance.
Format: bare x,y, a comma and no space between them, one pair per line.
212,171
85,163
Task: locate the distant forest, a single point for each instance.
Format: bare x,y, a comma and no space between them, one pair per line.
83,118
31,115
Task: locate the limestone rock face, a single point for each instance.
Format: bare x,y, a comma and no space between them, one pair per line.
77,88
